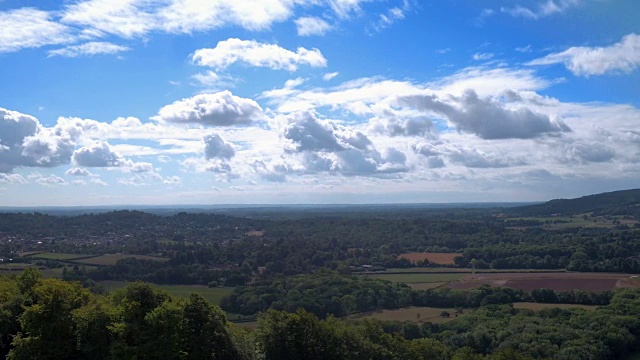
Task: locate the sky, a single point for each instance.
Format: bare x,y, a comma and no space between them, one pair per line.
161,102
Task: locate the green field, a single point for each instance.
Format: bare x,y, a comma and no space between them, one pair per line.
213,295
539,306
419,278
429,314
429,270
426,286
58,256
111,259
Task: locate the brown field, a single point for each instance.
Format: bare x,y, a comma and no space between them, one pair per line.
111,259
429,314
256,233
436,258
555,281
539,306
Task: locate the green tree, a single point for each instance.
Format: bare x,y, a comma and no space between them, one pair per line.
47,325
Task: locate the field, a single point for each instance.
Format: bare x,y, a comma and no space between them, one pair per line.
409,313
436,258
58,256
538,306
420,278
213,295
111,259
584,220
553,280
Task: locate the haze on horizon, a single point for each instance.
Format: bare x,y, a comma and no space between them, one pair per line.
167,102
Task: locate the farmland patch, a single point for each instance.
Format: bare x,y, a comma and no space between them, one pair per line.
435,258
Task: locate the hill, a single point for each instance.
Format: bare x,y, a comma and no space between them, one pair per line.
624,202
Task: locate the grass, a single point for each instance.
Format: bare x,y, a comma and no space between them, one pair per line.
426,286
213,295
538,306
111,259
427,314
419,278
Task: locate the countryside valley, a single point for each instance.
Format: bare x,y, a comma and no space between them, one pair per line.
552,280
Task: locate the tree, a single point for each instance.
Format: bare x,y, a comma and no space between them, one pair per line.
48,325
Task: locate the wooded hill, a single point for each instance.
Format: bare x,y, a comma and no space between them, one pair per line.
624,202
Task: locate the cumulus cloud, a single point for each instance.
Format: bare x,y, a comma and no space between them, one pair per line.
30,28
312,134
586,152
12,179
172,181
489,119
47,180
215,147
474,158
311,25
218,109
325,146
253,53
25,142
393,123
78,172
98,154
89,49
621,57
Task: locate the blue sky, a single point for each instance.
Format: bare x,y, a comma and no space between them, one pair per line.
116,102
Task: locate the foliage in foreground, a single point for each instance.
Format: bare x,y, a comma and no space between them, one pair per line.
54,319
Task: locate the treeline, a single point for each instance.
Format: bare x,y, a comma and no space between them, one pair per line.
321,294
53,319
202,248
326,293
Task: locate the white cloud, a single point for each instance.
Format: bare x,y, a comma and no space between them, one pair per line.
25,142
215,147
89,49
344,8
391,16
312,134
30,28
489,119
309,26
99,154
218,109
78,172
329,76
546,8
123,18
482,56
172,181
395,123
12,179
251,52
47,180
621,57
187,16
212,80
